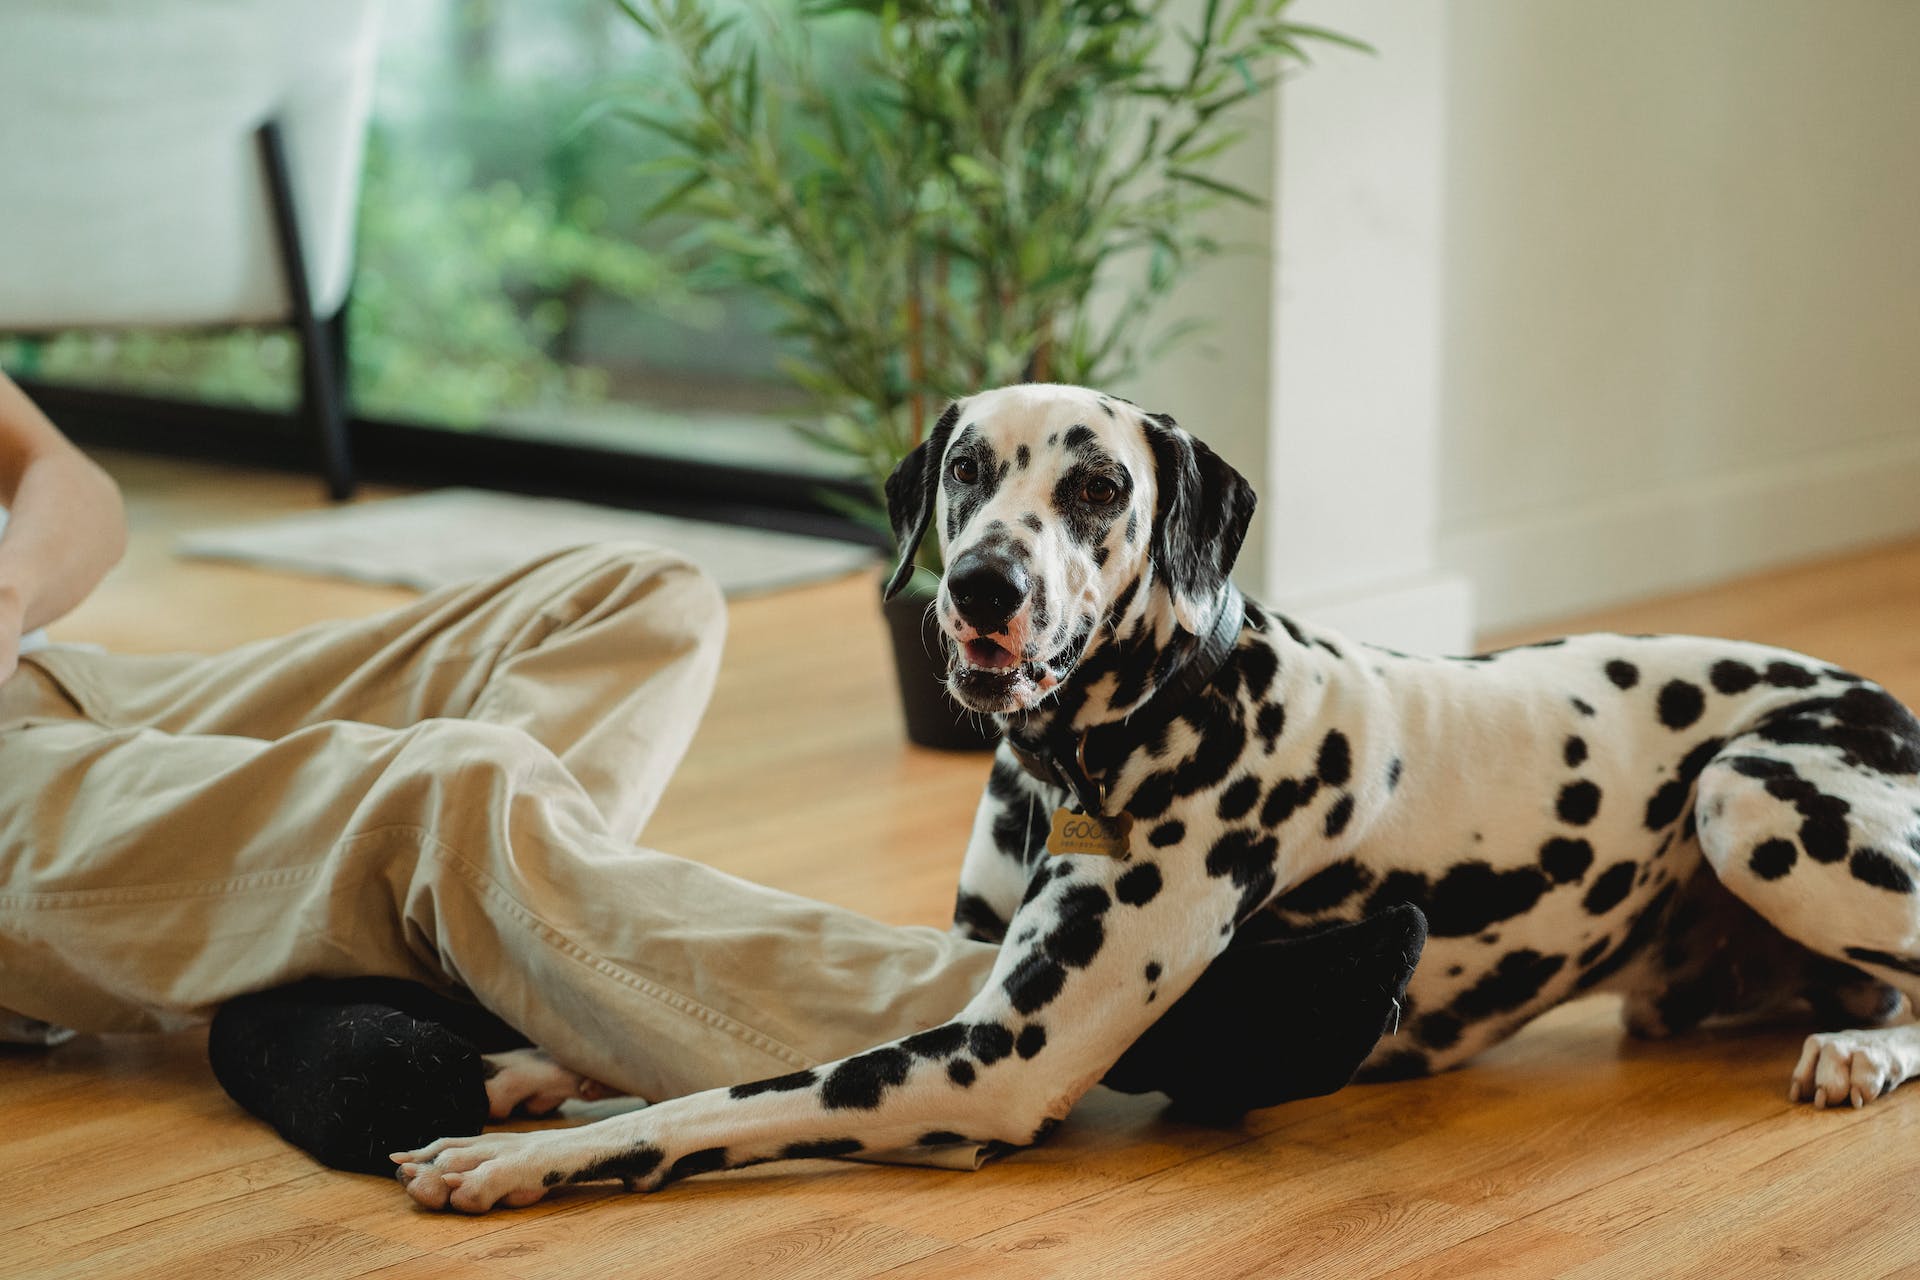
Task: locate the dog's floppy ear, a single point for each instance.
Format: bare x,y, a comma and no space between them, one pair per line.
911,489
1203,507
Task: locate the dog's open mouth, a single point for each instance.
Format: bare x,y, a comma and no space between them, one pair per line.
988,655
988,677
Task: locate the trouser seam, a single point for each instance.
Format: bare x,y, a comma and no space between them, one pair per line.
554,938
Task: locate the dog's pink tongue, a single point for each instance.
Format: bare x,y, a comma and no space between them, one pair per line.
982,652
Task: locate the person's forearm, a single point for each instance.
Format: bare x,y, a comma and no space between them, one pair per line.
66,525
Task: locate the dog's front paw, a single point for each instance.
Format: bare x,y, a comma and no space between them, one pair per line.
479,1173
1841,1067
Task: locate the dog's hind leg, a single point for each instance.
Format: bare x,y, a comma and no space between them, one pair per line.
1813,820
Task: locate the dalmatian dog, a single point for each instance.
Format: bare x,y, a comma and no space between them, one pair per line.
1711,828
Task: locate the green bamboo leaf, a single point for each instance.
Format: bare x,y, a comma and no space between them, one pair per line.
1216,186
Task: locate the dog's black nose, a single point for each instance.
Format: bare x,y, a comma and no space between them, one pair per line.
987,590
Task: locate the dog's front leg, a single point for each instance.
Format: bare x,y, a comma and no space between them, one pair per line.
1094,955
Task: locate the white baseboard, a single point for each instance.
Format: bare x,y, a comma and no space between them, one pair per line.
1681,535
1429,614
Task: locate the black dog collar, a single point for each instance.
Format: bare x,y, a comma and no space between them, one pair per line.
1060,757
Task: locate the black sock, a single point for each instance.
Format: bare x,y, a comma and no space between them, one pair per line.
1278,1019
349,1070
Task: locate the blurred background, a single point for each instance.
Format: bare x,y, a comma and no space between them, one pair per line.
1536,305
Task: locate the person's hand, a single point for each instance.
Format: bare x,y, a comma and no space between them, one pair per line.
12,622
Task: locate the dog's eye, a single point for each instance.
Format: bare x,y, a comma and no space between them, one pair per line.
1099,491
965,470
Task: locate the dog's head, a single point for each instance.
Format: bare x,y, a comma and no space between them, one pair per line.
1066,517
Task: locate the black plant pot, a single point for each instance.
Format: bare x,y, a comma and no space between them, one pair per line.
934,719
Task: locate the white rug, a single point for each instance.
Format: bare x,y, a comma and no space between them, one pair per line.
451,535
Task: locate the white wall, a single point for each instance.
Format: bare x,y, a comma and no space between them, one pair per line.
1352,469
1318,376
1682,291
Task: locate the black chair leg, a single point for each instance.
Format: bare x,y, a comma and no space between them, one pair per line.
322,343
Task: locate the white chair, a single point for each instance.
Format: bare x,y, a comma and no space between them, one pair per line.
187,163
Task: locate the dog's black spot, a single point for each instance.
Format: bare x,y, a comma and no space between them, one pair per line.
1610,888
1042,876
1665,805
1581,705
1472,895
937,1042
1787,675
1031,1040
1517,979
940,1138
1022,457
1099,557
1695,762
1870,866
1578,802
1258,665
1574,752
1760,767
1031,521
1077,939
778,1084
989,1042
822,1149
1270,723
975,915
1167,833
1221,745
1153,971
1401,1064
1239,798
1823,832
1338,816
1565,861
1681,703
628,1166
862,1080
1729,676
1034,982
1437,1030
1287,796
1138,886
1335,765
960,1071
1393,773
1133,526
1592,951
703,1161
1772,859
1623,674
1325,889
1079,434
1396,888
1248,861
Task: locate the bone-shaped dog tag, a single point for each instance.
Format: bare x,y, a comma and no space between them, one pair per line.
1089,833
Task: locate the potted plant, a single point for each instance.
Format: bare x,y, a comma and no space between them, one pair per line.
937,217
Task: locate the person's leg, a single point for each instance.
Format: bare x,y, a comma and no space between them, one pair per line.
606,654
147,877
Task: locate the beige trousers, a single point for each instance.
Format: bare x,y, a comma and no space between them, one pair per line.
451,793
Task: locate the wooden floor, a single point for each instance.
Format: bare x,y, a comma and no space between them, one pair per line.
1569,1151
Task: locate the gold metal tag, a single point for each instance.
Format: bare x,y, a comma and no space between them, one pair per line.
1089,833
